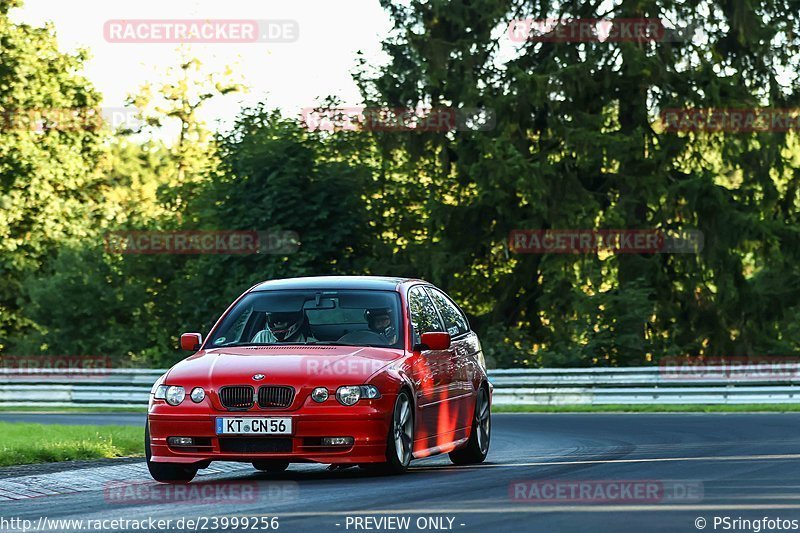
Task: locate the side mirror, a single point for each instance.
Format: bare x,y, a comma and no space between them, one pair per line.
433,340
191,341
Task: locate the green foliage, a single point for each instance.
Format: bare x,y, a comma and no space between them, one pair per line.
274,178
576,143
88,302
49,175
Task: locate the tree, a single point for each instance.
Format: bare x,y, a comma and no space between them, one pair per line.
178,100
275,177
577,145
144,185
50,158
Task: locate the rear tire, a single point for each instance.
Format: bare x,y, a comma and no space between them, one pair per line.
166,472
271,466
478,444
400,440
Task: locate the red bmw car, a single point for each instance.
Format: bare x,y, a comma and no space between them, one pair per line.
347,371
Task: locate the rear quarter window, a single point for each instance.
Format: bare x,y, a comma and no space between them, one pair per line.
423,313
455,322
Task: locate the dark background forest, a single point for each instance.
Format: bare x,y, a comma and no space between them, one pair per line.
575,142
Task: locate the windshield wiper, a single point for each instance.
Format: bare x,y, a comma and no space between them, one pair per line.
311,343
336,343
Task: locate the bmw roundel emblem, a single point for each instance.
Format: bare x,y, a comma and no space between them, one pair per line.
258,377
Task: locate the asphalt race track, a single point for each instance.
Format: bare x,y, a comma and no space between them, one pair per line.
688,467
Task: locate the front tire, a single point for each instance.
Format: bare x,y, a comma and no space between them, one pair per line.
166,472
478,445
400,441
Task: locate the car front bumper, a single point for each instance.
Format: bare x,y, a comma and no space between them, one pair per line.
367,423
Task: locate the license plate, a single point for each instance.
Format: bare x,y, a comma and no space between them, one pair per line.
254,426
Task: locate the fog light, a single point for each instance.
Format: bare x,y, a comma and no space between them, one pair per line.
337,441
180,441
198,394
320,394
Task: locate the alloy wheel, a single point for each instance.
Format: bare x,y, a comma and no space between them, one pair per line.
403,428
483,421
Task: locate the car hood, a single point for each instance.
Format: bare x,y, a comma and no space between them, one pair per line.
281,365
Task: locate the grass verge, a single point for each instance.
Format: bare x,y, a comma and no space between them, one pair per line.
23,443
685,408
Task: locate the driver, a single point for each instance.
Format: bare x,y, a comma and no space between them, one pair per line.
380,322
283,327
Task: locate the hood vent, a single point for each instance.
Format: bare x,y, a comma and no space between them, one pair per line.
292,347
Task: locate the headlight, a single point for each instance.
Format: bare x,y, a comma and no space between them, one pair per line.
370,392
175,395
348,395
161,392
320,394
197,394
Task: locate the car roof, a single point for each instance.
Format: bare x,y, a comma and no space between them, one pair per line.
335,282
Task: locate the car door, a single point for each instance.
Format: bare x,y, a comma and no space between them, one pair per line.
462,364
431,368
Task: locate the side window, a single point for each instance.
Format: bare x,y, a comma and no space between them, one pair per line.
423,313
454,321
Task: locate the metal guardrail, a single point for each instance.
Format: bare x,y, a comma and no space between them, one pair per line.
779,384
691,384
31,387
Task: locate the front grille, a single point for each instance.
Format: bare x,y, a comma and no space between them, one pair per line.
238,397
255,445
275,396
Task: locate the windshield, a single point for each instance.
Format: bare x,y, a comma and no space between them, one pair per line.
344,317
